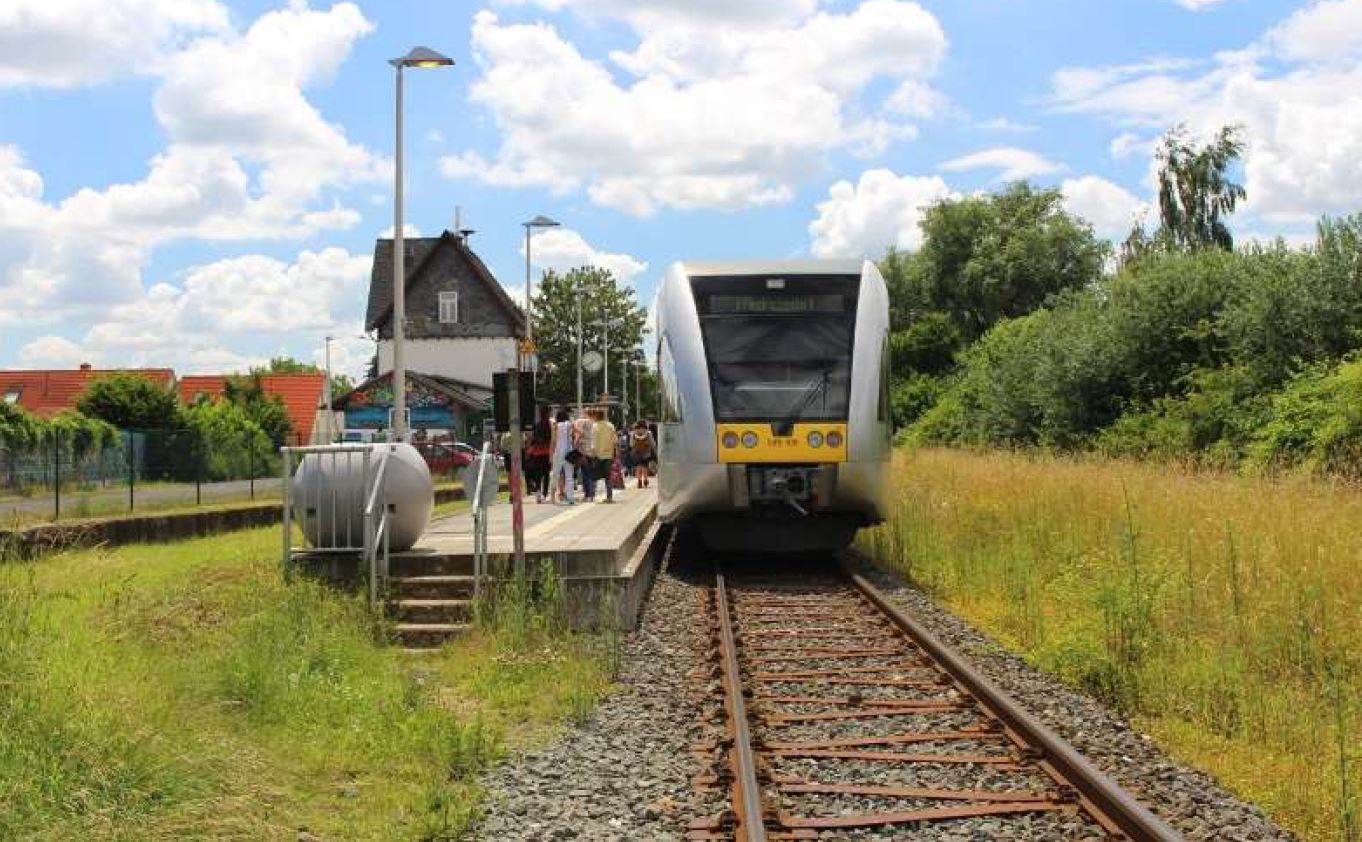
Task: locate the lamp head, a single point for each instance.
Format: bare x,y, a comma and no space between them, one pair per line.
422,57
541,221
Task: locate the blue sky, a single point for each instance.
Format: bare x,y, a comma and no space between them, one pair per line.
198,183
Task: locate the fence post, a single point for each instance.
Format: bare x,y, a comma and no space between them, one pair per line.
250,450
56,473
132,469
198,468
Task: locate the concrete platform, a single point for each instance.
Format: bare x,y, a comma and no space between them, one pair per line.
604,555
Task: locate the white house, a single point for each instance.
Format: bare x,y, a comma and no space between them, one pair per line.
461,324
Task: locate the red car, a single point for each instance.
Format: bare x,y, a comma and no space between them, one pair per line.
446,458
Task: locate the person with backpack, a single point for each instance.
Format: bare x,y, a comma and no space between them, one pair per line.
602,453
642,451
583,441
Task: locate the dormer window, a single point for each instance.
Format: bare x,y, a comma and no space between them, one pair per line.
449,307
12,395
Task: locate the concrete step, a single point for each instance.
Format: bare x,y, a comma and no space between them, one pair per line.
431,610
428,635
431,587
429,564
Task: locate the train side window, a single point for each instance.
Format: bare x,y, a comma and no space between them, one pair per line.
671,399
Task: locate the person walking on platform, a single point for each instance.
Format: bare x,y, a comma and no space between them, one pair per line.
539,456
563,468
642,451
603,453
584,442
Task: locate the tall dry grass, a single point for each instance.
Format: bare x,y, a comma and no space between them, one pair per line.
1223,613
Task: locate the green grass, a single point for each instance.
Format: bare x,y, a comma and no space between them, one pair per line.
184,691
1224,614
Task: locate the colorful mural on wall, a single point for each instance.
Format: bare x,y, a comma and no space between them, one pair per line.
370,406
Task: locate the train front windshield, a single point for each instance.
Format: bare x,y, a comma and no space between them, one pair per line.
778,348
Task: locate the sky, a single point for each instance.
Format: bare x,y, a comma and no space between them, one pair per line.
199,183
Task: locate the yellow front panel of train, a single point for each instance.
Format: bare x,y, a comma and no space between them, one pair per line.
813,442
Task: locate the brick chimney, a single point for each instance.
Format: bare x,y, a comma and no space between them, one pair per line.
84,366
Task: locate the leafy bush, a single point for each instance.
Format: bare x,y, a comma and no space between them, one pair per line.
1316,421
223,443
130,402
911,396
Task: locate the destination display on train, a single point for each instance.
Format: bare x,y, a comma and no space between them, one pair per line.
774,304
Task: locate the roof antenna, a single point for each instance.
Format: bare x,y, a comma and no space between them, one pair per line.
457,212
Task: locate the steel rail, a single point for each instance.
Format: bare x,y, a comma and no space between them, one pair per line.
750,817
1110,804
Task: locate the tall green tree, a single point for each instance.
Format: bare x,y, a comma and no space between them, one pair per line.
607,310
1197,194
264,410
131,402
997,256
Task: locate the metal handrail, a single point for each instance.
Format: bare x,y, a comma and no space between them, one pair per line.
376,527
480,522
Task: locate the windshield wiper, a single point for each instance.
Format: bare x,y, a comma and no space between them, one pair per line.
785,427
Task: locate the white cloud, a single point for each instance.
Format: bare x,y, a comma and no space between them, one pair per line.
1127,144
248,158
199,324
1006,124
1110,208
714,116
67,43
1324,31
913,98
1297,93
1012,163
881,210
562,249
52,351
1198,5
651,14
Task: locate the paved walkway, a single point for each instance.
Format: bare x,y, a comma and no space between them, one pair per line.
549,527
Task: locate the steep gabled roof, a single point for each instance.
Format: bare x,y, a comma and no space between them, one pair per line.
420,253
301,394
46,392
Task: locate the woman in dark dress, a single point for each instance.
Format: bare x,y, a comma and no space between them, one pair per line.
538,456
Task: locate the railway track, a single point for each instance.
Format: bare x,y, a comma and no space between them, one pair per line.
843,718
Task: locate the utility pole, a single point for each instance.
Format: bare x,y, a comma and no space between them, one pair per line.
517,505
326,392
579,350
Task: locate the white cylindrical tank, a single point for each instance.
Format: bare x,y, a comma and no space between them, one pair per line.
329,496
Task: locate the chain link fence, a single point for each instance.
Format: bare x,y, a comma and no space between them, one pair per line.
61,476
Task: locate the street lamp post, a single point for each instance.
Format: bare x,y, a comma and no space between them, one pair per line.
418,57
329,427
579,350
540,221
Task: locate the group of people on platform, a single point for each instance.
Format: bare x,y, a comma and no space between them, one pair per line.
581,448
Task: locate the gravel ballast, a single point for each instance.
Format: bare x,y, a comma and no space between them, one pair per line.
627,773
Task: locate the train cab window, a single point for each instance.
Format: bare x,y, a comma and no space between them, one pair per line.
778,353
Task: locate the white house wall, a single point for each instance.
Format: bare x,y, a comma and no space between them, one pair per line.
472,360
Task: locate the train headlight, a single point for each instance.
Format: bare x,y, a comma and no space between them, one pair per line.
749,439
730,440
834,439
815,439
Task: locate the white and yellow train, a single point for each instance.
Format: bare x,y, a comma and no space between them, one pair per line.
775,429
